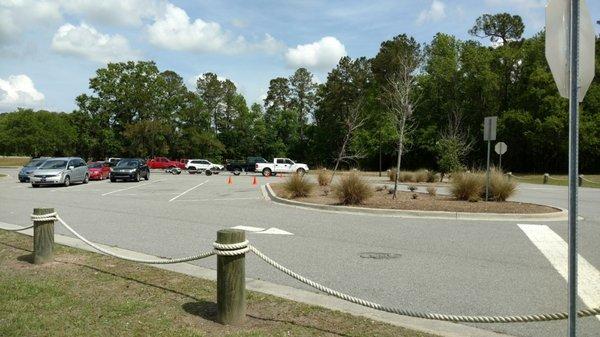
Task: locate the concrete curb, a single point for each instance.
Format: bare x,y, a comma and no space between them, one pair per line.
444,329
555,216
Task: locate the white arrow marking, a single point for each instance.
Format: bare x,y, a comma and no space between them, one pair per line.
249,228
555,249
275,231
259,230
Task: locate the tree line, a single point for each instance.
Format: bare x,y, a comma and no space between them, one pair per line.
366,112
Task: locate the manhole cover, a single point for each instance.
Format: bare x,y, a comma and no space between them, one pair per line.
379,256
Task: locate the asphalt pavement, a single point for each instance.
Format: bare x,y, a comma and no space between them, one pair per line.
468,267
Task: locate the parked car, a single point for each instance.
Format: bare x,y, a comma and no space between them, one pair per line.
113,161
281,165
132,169
202,165
164,163
29,168
239,166
61,171
99,170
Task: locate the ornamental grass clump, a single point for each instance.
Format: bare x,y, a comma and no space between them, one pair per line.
467,186
323,177
501,188
352,189
421,176
297,186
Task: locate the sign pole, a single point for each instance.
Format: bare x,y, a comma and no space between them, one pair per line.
573,161
487,183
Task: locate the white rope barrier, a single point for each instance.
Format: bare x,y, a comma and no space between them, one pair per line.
240,248
54,217
434,316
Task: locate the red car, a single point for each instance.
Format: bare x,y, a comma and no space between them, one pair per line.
164,163
99,170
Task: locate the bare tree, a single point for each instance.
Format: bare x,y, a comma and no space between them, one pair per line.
401,99
354,120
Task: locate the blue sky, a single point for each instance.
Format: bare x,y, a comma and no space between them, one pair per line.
50,48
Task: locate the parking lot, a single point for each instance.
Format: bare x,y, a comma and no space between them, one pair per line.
448,266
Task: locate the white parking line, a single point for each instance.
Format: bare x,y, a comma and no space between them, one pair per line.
188,190
128,188
555,249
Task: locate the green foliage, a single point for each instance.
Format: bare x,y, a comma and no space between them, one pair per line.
352,189
298,186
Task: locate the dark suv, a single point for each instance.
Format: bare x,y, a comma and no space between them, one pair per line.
132,169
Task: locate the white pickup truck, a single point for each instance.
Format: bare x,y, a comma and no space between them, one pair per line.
280,165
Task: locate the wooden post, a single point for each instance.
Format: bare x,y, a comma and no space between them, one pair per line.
231,280
43,237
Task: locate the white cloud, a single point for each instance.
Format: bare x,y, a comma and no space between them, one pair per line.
320,55
85,41
175,30
16,16
19,91
114,12
435,12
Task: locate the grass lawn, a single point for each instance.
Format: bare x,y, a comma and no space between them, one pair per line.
560,180
88,294
14,161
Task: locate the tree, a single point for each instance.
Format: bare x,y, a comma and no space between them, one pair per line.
354,120
501,27
401,57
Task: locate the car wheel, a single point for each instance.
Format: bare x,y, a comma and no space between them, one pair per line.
267,172
35,185
301,171
67,181
86,179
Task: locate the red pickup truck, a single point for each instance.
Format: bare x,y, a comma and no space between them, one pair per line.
164,163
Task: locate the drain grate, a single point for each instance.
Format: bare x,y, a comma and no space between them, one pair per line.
379,255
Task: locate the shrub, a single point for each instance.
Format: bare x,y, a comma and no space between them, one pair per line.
407,177
467,186
296,186
323,177
352,189
501,188
421,176
392,174
432,191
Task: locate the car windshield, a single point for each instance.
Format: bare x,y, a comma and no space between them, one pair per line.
95,165
54,164
35,163
128,163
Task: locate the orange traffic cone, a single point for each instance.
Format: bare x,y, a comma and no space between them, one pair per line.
229,181
254,181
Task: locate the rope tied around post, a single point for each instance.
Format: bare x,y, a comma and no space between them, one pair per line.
231,249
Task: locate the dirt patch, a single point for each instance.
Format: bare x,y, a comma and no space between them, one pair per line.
423,202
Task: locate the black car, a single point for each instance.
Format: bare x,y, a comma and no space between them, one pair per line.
132,169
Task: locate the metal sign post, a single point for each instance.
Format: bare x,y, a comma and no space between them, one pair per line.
500,149
489,134
568,23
